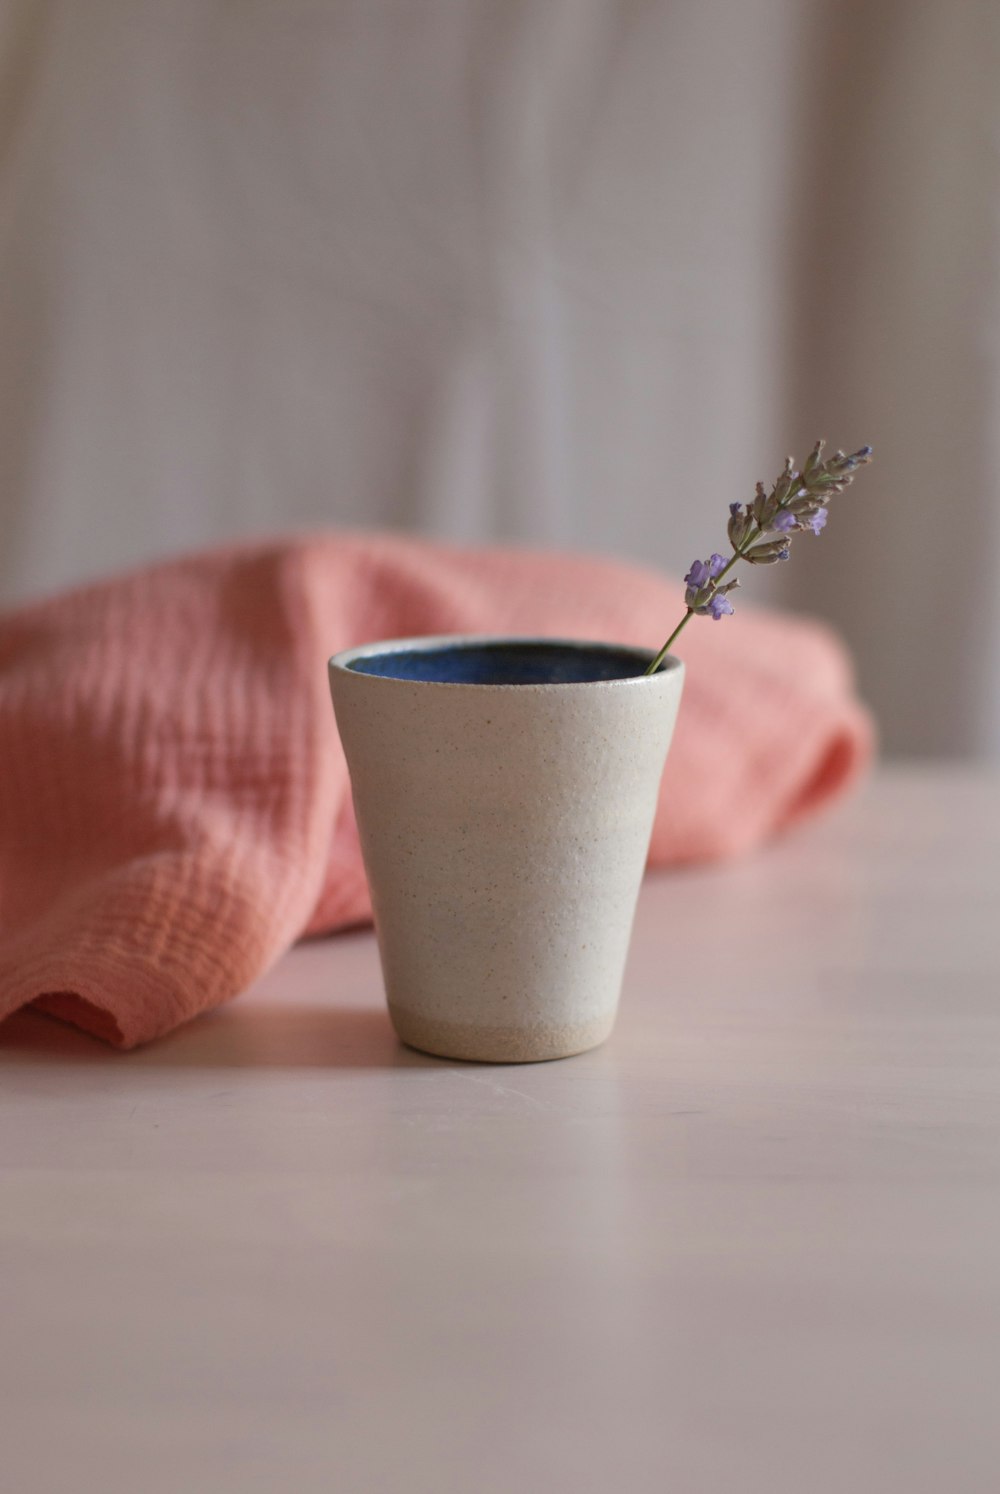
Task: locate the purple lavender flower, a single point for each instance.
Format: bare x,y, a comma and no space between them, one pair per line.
761,532
720,606
700,582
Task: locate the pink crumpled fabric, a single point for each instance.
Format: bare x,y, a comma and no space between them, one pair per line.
174,804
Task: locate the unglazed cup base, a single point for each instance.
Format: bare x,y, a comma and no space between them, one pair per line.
539,1043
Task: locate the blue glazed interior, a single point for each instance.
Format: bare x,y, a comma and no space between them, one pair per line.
505,663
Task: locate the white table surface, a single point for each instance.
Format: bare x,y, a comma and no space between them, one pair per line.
752,1244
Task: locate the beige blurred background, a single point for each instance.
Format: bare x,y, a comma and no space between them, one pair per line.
565,272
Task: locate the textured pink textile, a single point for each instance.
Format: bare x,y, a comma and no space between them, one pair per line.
174,804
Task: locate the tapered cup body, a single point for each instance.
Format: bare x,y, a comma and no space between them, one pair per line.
505,791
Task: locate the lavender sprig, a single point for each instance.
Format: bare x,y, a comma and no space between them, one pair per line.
760,532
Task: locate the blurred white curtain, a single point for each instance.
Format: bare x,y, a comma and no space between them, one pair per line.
570,272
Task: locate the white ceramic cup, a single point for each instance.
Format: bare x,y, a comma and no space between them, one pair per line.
505,791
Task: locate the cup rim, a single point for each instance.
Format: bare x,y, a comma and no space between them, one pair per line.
341,662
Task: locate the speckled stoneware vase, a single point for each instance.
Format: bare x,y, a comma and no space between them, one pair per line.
505,792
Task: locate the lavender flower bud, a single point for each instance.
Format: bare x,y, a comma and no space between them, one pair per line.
765,506
786,483
807,504
768,553
813,460
785,522
739,526
757,506
856,459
